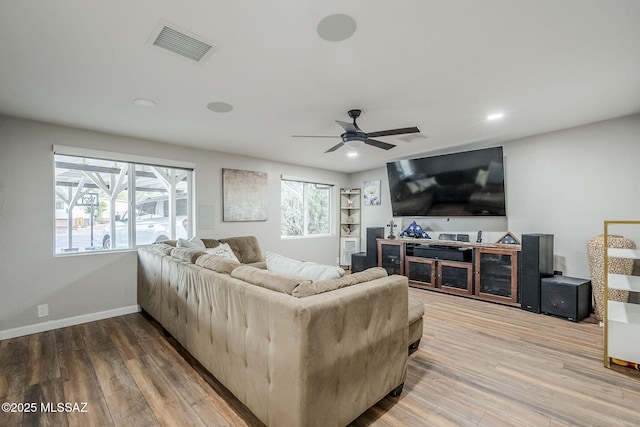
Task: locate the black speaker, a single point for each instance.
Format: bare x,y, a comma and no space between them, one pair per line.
373,233
359,262
566,297
536,262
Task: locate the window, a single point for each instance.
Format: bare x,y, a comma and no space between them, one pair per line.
305,209
103,204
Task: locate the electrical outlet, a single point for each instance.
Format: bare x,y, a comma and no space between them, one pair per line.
43,310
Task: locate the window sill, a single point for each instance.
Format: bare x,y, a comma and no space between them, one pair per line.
313,236
95,252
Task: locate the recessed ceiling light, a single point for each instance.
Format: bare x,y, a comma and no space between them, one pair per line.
219,107
142,102
352,154
495,116
335,28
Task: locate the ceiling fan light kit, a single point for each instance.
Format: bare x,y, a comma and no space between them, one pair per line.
354,136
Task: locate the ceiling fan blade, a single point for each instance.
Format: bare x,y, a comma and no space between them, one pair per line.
379,144
314,136
335,147
349,127
393,132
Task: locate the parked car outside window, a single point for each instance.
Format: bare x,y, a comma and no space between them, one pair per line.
152,223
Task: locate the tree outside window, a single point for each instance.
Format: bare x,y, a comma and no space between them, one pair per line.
305,209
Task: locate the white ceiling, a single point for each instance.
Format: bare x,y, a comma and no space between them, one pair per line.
440,65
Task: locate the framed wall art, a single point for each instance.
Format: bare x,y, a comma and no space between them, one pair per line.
371,193
244,195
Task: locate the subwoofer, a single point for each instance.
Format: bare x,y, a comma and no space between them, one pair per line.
536,263
358,262
566,297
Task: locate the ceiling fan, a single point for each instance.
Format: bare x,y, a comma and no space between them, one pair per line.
354,133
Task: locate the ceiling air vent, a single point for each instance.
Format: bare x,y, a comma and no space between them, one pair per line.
169,38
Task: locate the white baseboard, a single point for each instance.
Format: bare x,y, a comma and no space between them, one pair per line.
69,321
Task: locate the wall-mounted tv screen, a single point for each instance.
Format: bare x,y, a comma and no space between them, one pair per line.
460,184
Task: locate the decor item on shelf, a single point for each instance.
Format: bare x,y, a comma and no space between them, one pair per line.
414,230
244,195
349,214
595,252
508,239
391,226
371,193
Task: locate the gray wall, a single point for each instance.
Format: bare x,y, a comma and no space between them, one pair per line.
565,183
83,284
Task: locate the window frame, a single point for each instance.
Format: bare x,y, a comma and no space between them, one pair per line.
131,162
331,208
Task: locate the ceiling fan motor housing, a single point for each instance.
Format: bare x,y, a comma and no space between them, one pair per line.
360,136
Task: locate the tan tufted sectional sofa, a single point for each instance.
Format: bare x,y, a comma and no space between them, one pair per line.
320,358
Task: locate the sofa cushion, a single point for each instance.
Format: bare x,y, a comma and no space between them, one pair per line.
310,270
260,264
416,310
187,254
308,289
217,263
223,250
193,243
162,248
268,279
246,248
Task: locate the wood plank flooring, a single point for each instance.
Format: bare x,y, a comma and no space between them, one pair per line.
479,364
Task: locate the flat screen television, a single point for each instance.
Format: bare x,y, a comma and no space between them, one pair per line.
469,183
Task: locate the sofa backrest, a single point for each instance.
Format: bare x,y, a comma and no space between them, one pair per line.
246,248
187,254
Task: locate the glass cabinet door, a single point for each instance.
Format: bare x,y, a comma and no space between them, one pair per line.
391,256
497,275
455,277
421,271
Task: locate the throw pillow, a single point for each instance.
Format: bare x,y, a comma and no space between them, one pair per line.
309,270
414,230
223,250
193,243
